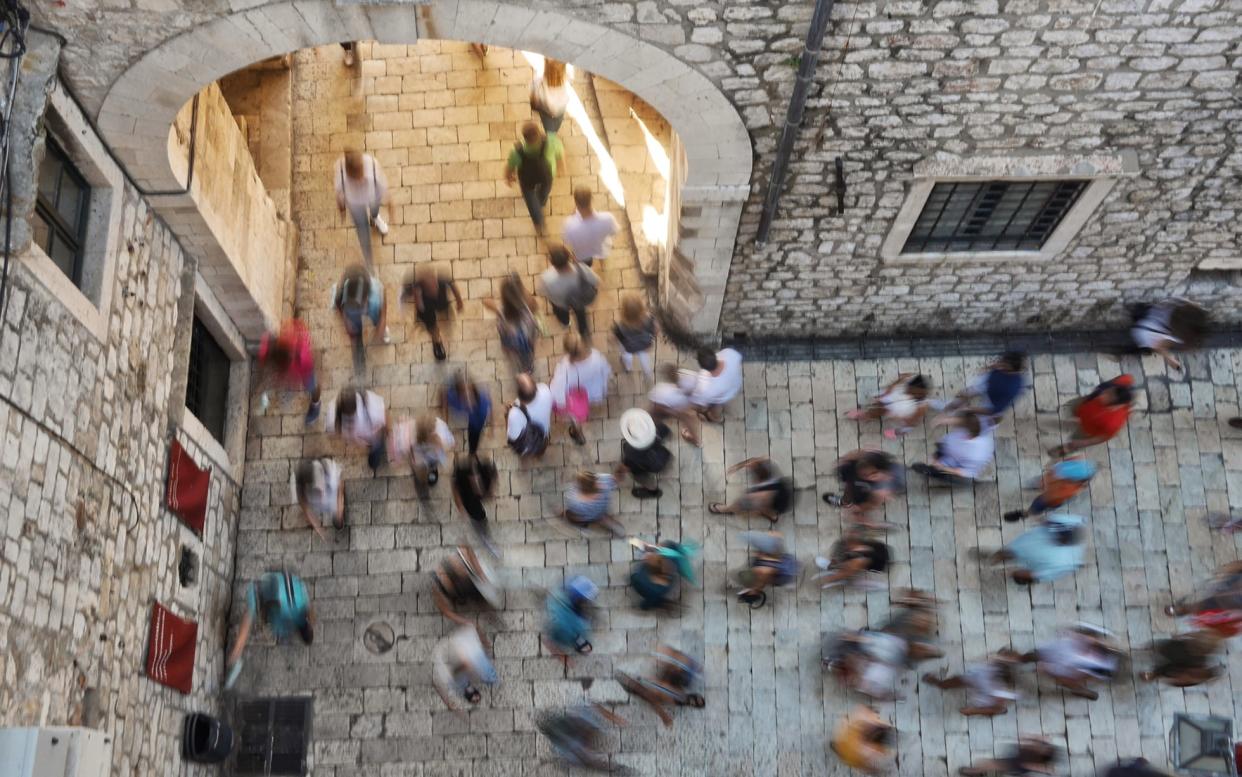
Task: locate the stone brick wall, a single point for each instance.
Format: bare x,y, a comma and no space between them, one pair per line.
87,547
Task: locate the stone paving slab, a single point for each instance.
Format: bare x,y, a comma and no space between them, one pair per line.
770,708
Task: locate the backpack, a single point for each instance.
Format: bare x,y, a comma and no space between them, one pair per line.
533,169
354,292
532,441
587,291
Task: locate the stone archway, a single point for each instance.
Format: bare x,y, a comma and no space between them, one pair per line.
715,148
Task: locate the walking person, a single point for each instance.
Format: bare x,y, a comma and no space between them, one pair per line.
995,390
586,232
1169,326
1052,549
362,189
670,401
1100,415
580,380
474,481
464,397
356,298
588,502
550,94
719,381
460,664
287,362
516,323
319,493
643,453
964,452
869,480
429,291
635,332
989,685
904,401
280,599
770,495
568,286
528,419
532,164
1032,755
358,416
864,741
426,444
464,579
568,625
1061,483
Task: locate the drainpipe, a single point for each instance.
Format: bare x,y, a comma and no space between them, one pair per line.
793,119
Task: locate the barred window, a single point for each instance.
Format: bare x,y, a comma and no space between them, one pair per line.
962,216
207,384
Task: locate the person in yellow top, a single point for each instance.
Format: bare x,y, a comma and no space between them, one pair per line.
864,740
532,163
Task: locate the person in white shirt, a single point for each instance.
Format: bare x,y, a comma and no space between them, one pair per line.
426,444
359,416
568,285
720,380
588,233
361,188
529,419
670,399
580,380
550,94
317,488
964,452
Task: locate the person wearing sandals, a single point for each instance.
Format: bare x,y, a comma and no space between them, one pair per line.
1061,483
516,323
635,333
769,495
460,664
964,452
588,502
643,453
568,625
719,381
430,294
670,401
989,685
904,401
581,380
869,480
319,493
670,684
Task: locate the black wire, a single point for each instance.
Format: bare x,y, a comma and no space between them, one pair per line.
16,20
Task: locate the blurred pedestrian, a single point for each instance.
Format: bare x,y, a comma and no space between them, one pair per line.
568,624
588,502
357,297
904,401
989,685
1032,755
1051,549
358,416
643,453
1184,660
964,452
319,492
463,578
770,495
1061,482
670,401
1078,657
1167,327
864,741
362,189
1101,414
581,380
282,601
287,363
869,480
587,232
426,444
569,286
474,481
465,398
532,164
671,683
635,332
429,291
719,381
550,94
516,323
528,419
460,664
855,560
995,390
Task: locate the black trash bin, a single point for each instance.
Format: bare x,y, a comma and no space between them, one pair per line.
205,740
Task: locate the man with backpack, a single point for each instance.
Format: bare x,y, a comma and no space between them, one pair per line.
569,285
532,163
359,295
529,418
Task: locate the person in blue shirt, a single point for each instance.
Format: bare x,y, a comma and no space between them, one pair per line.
1050,550
282,600
568,626
463,397
993,392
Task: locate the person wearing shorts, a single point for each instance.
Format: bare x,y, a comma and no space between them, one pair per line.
769,495
429,294
280,599
357,298
460,664
989,686
1061,483
1046,552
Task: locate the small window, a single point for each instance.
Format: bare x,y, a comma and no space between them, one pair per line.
61,211
992,215
207,385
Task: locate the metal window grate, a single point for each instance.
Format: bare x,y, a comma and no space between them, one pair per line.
275,734
207,382
61,209
991,216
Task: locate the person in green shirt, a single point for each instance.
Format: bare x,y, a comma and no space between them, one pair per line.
532,163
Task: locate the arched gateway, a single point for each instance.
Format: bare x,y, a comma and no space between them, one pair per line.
714,152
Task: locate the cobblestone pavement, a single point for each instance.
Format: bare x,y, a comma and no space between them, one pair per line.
770,707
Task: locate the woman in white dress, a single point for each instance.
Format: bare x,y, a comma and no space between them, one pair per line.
549,95
580,380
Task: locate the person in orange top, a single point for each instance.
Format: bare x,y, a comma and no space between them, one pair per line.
864,740
1101,414
1061,483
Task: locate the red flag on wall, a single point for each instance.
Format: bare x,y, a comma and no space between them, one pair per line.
170,649
187,488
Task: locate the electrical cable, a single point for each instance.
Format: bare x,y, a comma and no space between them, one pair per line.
15,20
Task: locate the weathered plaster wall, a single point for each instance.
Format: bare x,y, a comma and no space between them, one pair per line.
243,243
84,427
899,81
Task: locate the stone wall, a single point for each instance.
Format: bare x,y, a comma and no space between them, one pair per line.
260,101
85,420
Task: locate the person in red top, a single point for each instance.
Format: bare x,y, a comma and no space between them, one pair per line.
1101,414
287,361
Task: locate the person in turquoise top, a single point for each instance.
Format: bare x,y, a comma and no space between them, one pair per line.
532,163
1045,552
283,601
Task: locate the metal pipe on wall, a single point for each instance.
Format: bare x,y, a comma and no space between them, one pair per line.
793,118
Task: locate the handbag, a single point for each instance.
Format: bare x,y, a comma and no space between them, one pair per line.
577,402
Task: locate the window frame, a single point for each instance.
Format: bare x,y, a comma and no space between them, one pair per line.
74,235
1101,172
199,363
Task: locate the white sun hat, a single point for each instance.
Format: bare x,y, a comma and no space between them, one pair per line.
638,428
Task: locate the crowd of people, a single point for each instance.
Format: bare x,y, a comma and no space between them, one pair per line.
868,661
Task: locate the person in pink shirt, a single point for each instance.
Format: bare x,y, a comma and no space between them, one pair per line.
288,363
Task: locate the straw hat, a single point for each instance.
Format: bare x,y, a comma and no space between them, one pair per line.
638,428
